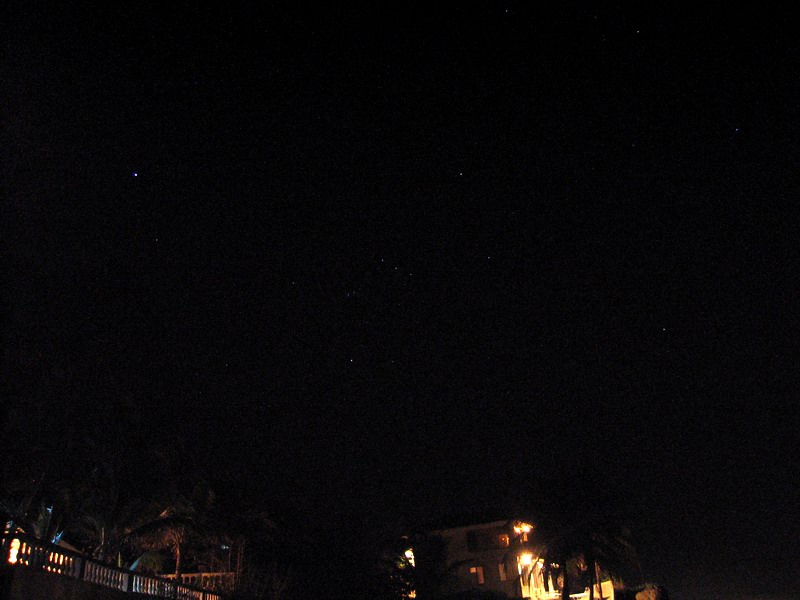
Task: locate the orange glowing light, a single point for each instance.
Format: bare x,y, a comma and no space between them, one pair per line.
522,528
13,551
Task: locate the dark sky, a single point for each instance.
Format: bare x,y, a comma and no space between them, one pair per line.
390,262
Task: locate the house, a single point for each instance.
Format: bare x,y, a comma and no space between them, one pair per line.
500,556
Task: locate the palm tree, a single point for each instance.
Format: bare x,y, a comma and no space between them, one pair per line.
238,529
104,517
592,546
35,510
198,523
105,530
176,524
610,550
170,529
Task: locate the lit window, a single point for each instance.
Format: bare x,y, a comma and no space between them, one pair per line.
501,568
502,539
478,572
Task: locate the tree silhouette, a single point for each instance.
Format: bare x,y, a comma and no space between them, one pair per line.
178,524
589,548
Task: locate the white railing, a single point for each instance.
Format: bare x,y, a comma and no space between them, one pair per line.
19,550
106,576
221,582
152,586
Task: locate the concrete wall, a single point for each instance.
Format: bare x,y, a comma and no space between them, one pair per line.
462,558
17,583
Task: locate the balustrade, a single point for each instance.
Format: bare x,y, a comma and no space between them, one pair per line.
221,582
152,586
24,551
106,576
187,593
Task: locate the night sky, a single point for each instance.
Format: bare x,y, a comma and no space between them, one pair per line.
384,264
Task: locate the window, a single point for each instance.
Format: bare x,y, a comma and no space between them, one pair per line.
486,539
478,573
501,568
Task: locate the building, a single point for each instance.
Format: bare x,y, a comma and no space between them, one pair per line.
499,556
